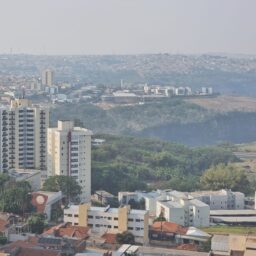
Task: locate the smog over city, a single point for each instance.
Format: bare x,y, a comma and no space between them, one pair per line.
127,127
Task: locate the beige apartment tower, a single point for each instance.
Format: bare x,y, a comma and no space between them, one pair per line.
69,154
23,130
48,77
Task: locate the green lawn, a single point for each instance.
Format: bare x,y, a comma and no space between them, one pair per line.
230,230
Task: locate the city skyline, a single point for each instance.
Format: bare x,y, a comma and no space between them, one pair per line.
127,27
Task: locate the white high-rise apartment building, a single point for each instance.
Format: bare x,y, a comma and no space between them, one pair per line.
23,130
48,77
69,153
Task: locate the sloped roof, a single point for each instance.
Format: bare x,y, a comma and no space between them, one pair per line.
3,225
37,252
166,226
192,231
109,238
65,230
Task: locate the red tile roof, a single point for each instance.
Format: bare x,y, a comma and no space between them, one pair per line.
3,225
36,252
65,230
171,227
27,248
109,238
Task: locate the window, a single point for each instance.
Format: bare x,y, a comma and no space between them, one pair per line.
130,228
90,217
69,215
137,220
109,226
115,226
115,218
130,219
76,215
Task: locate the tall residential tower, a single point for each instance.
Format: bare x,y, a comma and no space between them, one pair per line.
23,130
69,154
48,77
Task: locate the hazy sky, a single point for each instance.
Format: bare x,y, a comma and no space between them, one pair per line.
127,26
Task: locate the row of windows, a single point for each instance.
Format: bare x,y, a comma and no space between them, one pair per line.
98,225
136,220
136,228
70,215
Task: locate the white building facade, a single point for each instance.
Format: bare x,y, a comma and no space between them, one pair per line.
47,77
69,154
23,129
221,199
175,206
113,220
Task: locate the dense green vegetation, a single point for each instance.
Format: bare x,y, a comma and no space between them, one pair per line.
125,238
170,120
36,223
3,240
14,196
130,163
67,184
226,176
129,119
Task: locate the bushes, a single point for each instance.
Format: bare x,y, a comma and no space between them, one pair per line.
131,163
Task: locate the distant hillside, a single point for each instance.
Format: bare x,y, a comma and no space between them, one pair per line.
130,119
234,127
225,103
174,120
226,74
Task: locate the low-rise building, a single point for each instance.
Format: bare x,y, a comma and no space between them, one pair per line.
234,217
175,206
46,201
33,177
103,197
185,212
172,234
186,208
112,220
228,245
221,199
98,142
125,197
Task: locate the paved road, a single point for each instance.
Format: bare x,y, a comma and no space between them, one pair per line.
164,251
